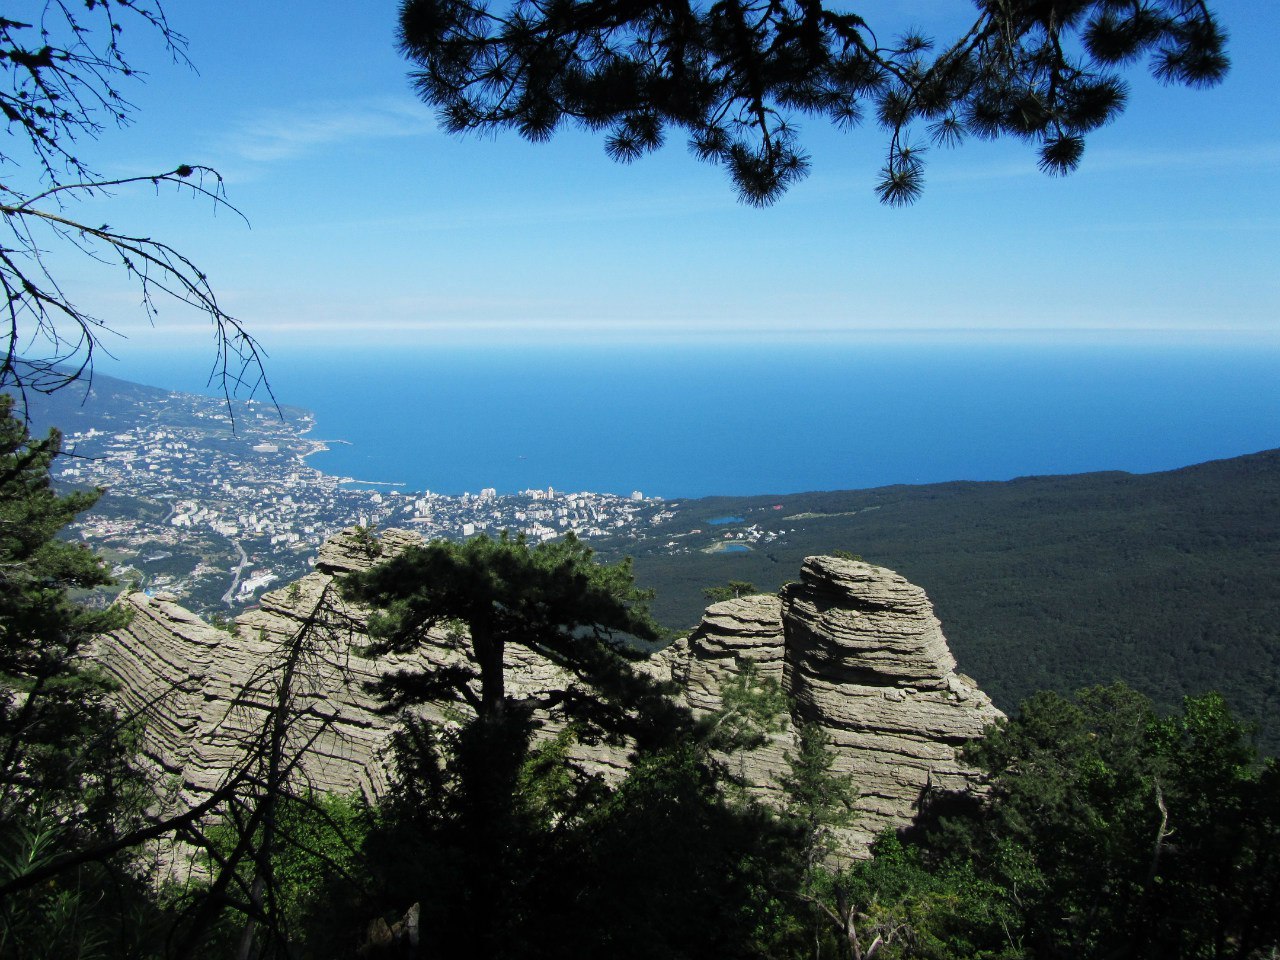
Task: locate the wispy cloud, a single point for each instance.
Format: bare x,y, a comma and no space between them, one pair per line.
1105,161
1234,226
1209,158
285,134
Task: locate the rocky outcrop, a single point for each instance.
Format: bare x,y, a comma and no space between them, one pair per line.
859,652
856,647
207,694
734,635
162,662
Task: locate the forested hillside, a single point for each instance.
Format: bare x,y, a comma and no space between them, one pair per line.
1166,580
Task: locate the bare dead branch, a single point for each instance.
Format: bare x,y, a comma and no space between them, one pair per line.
40,315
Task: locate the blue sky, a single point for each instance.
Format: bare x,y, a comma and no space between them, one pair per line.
367,225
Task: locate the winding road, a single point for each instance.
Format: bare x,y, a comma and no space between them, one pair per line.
235,579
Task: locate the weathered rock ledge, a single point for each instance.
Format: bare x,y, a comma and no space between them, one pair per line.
856,647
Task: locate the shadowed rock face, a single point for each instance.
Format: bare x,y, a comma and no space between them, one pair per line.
856,647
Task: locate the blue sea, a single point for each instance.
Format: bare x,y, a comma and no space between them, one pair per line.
736,420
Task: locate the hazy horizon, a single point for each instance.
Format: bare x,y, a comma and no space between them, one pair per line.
750,419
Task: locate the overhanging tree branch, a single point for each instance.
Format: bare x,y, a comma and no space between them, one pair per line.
733,74
61,80
39,312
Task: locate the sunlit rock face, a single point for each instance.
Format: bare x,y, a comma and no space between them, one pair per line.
856,648
859,652
208,695
867,661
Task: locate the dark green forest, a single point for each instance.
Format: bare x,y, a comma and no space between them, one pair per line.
1165,580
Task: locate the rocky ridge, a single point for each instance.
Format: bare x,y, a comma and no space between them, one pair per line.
856,647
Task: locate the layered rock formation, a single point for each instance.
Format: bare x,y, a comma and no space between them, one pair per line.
856,648
208,694
859,652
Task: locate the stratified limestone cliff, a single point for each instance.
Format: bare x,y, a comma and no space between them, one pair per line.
208,695
205,696
856,647
859,652
732,635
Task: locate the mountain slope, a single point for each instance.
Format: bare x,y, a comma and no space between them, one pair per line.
1167,580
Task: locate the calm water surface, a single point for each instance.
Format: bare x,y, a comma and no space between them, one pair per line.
744,420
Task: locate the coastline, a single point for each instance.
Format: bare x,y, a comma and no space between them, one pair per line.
987,415
315,445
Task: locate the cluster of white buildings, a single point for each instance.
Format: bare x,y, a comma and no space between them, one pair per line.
251,491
